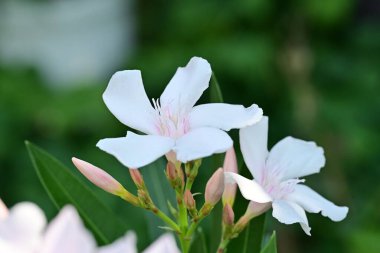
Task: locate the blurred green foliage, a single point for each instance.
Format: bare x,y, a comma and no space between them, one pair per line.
314,67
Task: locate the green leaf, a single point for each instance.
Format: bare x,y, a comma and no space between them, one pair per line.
64,188
160,191
216,95
271,246
199,242
254,234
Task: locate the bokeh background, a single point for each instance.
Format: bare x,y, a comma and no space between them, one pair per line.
313,66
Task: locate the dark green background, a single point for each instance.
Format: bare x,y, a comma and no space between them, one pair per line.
313,66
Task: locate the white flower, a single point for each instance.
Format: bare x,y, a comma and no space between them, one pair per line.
173,123
276,177
21,228
22,231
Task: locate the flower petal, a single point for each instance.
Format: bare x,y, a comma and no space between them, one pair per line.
253,145
315,203
290,213
135,151
250,189
224,116
296,158
125,97
164,244
201,142
66,233
23,227
187,85
126,244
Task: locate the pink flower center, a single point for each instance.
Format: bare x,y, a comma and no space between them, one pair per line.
169,122
271,180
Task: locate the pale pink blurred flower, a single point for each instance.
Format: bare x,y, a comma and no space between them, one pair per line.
173,125
23,231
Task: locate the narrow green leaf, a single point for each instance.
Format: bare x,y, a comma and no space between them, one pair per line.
253,235
160,191
63,188
199,242
216,95
271,246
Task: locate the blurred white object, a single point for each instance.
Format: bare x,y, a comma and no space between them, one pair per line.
67,41
22,230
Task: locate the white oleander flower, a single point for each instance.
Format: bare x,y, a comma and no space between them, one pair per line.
276,175
173,125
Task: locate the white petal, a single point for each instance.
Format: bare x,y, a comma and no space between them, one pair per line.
126,244
187,85
290,213
135,151
315,203
125,97
202,142
296,158
23,227
66,233
164,244
224,116
253,145
250,189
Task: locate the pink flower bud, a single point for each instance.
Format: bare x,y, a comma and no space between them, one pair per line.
189,200
98,177
228,215
254,209
215,187
230,165
3,210
137,178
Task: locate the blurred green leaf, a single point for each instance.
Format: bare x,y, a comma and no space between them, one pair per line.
199,242
160,191
64,188
271,246
254,234
216,95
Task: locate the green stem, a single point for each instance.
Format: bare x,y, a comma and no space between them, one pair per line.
222,248
167,220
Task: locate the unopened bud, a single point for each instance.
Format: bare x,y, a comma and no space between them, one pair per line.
104,180
215,187
175,176
228,215
137,178
3,210
230,165
254,209
190,203
98,177
171,173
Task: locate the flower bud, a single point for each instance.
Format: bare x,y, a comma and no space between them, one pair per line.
230,165
190,203
215,187
3,210
171,173
254,209
103,180
228,215
137,178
